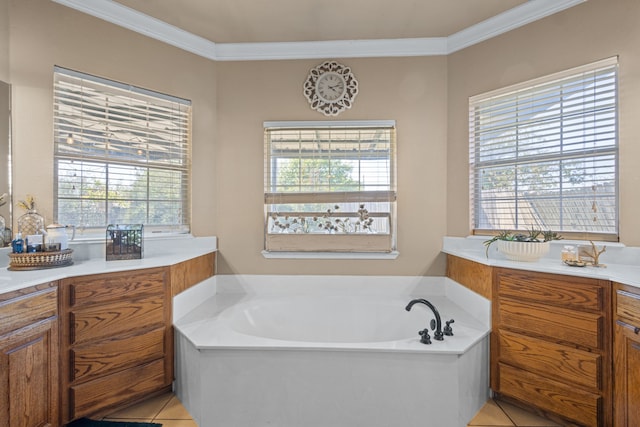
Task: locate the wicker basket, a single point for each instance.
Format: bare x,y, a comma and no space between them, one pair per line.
40,260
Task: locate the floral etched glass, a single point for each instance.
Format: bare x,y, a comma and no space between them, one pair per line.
30,223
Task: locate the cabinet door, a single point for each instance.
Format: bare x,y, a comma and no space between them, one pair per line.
29,368
627,356
29,354
627,372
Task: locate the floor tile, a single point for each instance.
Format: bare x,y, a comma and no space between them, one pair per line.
147,409
173,410
525,418
169,411
491,415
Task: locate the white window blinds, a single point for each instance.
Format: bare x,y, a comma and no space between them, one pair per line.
122,154
544,154
330,186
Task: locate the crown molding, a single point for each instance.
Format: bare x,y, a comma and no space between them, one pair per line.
511,19
133,20
141,23
331,49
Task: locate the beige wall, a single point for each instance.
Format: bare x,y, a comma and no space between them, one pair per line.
594,30
4,40
4,105
230,103
411,91
5,113
44,34
426,96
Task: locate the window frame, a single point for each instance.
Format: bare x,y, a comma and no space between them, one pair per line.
331,242
165,157
529,88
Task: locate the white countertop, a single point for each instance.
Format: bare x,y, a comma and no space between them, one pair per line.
622,262
89,258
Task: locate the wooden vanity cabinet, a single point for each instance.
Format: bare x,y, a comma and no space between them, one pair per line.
551,345
117,341
29,386
627,356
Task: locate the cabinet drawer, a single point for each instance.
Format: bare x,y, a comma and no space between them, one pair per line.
582,407
120,387
628,307
105,357
101,288
551,360
585,329
94,323
27,309
565,291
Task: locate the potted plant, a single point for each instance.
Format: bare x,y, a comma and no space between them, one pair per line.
523,247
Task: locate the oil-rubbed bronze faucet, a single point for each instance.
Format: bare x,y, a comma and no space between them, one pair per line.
437,335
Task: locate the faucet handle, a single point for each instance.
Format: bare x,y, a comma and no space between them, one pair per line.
448,330
425,338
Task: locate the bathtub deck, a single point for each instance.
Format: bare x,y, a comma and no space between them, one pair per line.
203,328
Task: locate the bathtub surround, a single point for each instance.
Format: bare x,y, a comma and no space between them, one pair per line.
229,376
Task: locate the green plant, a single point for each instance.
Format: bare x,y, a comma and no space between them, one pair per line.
533,235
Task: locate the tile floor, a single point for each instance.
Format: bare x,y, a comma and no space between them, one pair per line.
496,413
167,410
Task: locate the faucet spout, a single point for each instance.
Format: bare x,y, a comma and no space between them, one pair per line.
437,335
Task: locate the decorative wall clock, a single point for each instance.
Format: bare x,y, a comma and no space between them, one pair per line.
330,88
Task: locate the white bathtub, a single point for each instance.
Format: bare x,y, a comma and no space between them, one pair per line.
325,320
327,351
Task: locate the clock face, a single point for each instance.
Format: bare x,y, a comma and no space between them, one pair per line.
330,88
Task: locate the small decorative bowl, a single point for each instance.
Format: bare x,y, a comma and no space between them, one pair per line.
574,263
523,251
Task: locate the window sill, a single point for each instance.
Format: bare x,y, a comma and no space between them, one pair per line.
330,255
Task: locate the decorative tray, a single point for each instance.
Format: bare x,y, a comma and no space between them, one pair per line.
40,260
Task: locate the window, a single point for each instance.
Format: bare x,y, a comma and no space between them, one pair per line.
122,155
544,154
330,186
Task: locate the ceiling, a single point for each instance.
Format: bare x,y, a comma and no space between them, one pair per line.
294,29
257,21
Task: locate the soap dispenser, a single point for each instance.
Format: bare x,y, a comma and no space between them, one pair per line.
18,244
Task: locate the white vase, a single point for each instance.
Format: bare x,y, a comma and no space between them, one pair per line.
523,251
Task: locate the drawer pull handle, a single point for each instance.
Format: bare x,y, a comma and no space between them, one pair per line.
636,330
